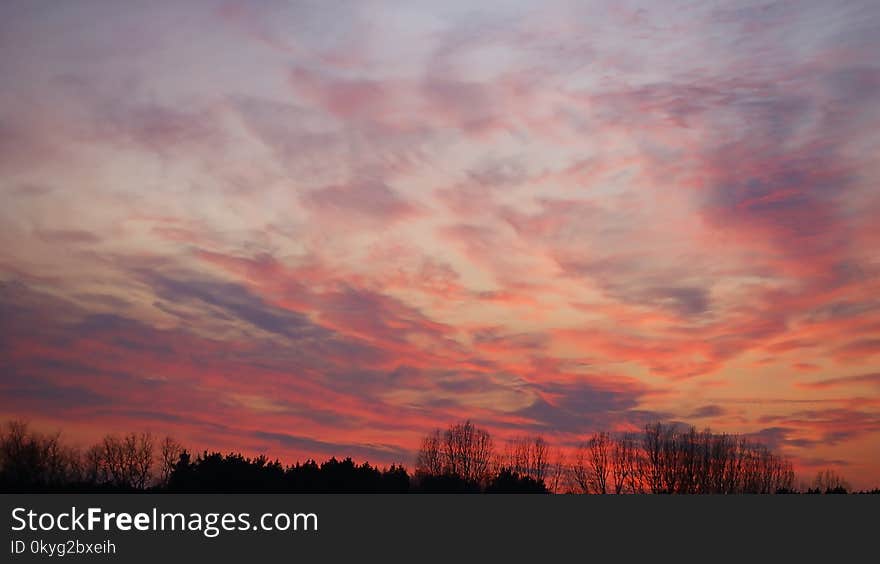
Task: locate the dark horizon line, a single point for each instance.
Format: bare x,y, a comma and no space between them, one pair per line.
667,458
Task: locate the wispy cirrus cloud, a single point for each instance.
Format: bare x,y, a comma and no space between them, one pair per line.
872,379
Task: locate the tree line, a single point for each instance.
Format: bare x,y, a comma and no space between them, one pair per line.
34,461
662,459
665,459
463,458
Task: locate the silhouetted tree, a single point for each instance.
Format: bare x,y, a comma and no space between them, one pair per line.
169,454
124,462
581,473
467,452
445,483
558,472
233,472
829,481
592,464
624,464
507,481
653,460
429,461
33,461
527,456
459,458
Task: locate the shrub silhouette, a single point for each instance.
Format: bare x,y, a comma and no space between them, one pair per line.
234,473
510,482
445,483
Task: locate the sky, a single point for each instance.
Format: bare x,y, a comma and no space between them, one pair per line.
327,228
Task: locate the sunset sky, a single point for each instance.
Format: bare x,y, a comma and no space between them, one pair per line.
326,228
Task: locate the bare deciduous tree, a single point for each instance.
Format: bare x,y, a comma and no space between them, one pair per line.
527,456
581,473
599,462
624,465
127,461
93,465
429,461
591,466
31,459
463,450
169,453
829,481
558,472
652,448
467,451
